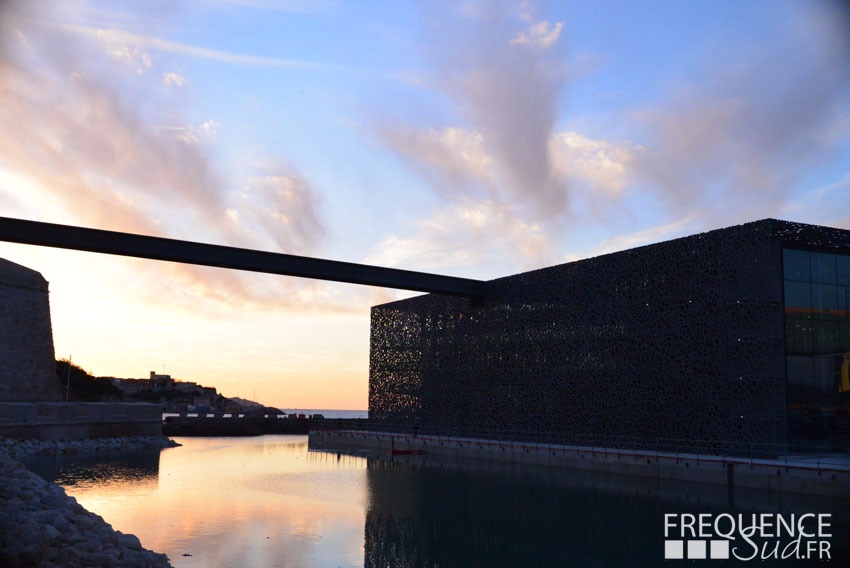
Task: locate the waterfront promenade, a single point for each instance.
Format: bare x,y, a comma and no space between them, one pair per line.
815,473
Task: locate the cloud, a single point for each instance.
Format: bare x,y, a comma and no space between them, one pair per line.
600,174
605,166
206,131
171,79
540,34
501,73
80,126
507,94
503,152
135,40
728,141
655,234
295,6
467,177
736,138
841,185
457,162
469,237
453,158
285,207
137,60
827,204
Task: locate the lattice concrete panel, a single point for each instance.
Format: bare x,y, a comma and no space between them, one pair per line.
682,339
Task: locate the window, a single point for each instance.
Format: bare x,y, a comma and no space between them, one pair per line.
826,373
823,267
827,335
824,301
842,264
796,264
798,299
817,344
798,335
801,371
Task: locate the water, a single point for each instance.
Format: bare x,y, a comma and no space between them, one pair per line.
269,501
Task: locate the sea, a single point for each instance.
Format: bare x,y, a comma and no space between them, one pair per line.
272,501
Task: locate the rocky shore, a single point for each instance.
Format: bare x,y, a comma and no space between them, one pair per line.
21,448
41,526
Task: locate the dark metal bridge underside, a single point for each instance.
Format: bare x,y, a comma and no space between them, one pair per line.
158,248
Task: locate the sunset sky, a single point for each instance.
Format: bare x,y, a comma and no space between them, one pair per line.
476,139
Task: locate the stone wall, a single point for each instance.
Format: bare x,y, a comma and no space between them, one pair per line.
27,360
78,420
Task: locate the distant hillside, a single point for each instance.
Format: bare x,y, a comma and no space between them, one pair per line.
245,403
79,386
174,396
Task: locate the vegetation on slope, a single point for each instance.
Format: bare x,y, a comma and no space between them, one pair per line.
79,386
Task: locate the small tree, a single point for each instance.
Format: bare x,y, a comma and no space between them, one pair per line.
82,386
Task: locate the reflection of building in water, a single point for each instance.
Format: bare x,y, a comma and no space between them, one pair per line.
457,514
97,468
448,517
740,334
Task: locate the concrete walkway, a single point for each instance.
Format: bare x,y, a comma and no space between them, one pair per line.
823,475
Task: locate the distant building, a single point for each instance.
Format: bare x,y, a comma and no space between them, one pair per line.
205,401
737,335
131,386
161,380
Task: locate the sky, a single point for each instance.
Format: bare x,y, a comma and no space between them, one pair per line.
475,139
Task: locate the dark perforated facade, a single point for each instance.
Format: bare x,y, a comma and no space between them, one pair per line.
684,339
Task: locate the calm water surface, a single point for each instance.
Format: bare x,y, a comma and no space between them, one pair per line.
262,501
269,501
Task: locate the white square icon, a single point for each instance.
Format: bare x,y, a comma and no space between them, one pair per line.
674,549
696,549
719,549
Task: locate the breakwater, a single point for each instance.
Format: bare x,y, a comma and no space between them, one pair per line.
40,525
230,425
18,448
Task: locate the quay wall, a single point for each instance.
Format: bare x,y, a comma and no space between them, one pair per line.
78,420
230,424
811,475
220,425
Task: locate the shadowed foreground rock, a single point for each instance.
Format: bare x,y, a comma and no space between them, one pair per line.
40,525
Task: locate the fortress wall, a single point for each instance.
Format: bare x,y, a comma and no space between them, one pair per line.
27,360
78,420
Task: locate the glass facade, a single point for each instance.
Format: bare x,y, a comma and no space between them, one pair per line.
817,345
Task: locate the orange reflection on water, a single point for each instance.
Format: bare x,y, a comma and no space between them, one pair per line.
242,501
